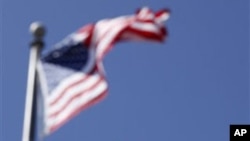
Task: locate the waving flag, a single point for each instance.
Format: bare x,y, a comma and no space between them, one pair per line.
72,75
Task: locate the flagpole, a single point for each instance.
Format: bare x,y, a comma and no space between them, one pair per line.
29,124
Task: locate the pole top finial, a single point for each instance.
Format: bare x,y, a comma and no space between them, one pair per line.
37,29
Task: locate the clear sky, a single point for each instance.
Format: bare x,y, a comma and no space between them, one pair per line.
190,88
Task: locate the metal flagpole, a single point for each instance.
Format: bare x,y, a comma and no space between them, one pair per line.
38,31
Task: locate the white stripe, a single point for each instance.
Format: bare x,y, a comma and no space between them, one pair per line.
103,26
149,27
79,37
146,14
114,29
162,18
75,77
98,31
77,103
71,92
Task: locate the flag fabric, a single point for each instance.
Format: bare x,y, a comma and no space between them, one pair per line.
72,75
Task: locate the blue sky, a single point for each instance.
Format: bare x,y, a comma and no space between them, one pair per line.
191,87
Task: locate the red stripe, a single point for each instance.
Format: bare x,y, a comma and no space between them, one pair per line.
78,110
116,38
76,97
149,35
159,13
88,28
145,20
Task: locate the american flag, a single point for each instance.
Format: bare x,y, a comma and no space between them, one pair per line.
72,75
